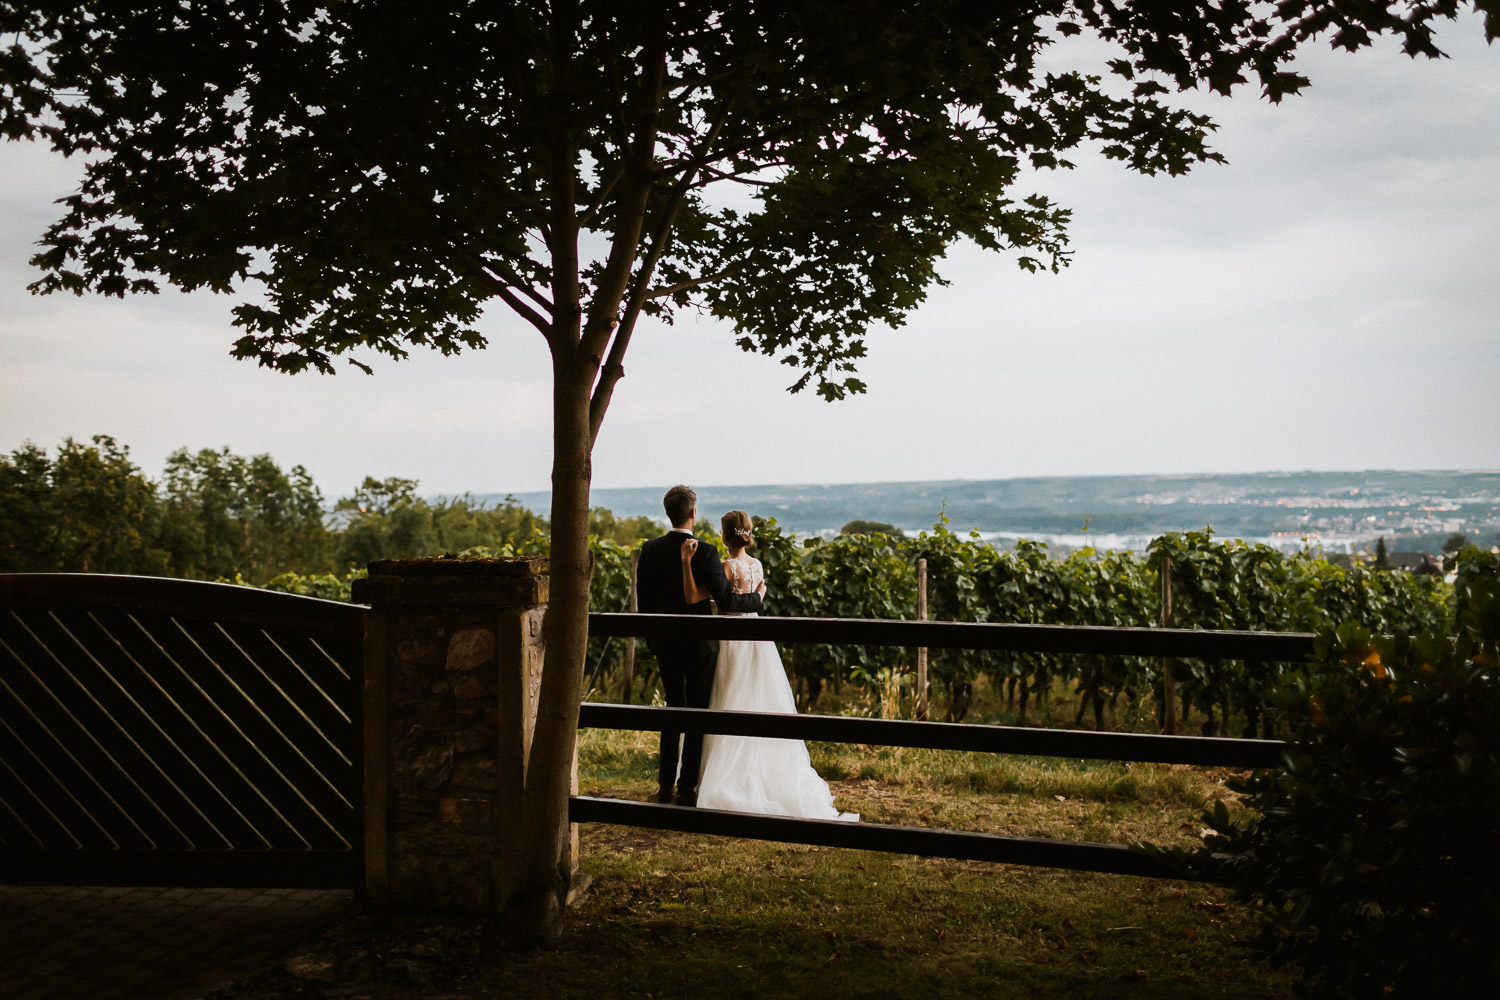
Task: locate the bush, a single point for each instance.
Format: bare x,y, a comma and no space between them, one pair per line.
325,585
1374,851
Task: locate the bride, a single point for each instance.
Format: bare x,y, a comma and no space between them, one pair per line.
750,773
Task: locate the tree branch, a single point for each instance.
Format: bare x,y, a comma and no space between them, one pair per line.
614,368
700,81
787,114
514,280
615,278
682,286
562,234
527,313
741,178
604,191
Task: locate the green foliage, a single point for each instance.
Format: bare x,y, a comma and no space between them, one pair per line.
626,531
1110,589
323,585
961,578
1235,585
859,526
1386,602
855,576
1470,565
225,515
220,516
214,515
89,509
1372,852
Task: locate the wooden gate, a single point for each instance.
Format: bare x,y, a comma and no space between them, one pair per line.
170,732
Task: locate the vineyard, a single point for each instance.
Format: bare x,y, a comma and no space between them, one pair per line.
1214,584
217,515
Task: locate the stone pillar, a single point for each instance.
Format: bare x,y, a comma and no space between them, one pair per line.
453,661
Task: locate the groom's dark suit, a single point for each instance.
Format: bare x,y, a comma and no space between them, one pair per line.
687,665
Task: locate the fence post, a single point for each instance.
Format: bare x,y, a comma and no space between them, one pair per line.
921,694
1168,685
635,560
456,651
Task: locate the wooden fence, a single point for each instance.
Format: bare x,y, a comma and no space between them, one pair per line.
1076,855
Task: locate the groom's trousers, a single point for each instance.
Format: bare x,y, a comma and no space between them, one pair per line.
687,675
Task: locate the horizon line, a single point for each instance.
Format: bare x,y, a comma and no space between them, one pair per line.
1002,479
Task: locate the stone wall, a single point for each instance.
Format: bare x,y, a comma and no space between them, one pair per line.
453,665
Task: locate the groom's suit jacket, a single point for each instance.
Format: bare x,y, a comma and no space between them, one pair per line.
659,579
659,589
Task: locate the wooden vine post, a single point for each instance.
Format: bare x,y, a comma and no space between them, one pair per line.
635,559
1168,685
921,693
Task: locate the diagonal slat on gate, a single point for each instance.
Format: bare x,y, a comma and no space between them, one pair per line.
288,750
58,759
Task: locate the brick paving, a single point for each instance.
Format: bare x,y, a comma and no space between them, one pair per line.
91,943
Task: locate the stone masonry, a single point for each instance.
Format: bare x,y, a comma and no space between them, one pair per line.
453,661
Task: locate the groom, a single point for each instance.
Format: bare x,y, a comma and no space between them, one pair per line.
687,665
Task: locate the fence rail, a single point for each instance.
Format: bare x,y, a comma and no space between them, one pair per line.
1210,751
958,844
1082,639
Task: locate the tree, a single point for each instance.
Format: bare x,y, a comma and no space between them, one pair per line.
1454,543
386,521
1382,559
371,175
225,515
627,531
88,510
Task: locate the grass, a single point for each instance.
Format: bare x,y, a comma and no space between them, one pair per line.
682,915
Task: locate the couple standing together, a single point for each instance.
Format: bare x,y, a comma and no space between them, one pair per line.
677,575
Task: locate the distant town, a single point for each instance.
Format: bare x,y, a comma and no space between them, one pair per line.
1339,512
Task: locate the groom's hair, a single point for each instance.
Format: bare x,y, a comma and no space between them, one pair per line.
679,502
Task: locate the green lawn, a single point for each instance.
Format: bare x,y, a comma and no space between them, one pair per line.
680,915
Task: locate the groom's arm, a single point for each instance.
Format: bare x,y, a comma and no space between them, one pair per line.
710,574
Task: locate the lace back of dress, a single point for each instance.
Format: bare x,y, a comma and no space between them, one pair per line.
745,574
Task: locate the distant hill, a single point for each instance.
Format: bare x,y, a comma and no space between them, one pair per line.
1337,509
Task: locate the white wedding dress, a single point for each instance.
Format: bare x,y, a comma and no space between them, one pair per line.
756,774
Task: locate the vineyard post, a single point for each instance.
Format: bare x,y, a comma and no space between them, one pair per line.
921,694
635,558
1168,686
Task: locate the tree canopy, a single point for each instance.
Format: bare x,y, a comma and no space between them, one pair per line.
370,175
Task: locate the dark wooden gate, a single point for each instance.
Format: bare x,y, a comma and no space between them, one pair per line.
170,732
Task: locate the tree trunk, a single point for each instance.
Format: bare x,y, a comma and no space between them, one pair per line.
538,906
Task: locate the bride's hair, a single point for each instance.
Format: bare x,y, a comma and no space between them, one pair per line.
737,530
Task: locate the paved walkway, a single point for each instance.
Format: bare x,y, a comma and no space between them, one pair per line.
81,943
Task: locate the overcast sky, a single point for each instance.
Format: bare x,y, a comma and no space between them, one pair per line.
1328,300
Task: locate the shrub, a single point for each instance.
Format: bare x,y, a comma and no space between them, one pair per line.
1373,852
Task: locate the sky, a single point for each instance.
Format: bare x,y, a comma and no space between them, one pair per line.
1328,300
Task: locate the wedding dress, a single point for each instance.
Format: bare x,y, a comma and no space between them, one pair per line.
751,773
